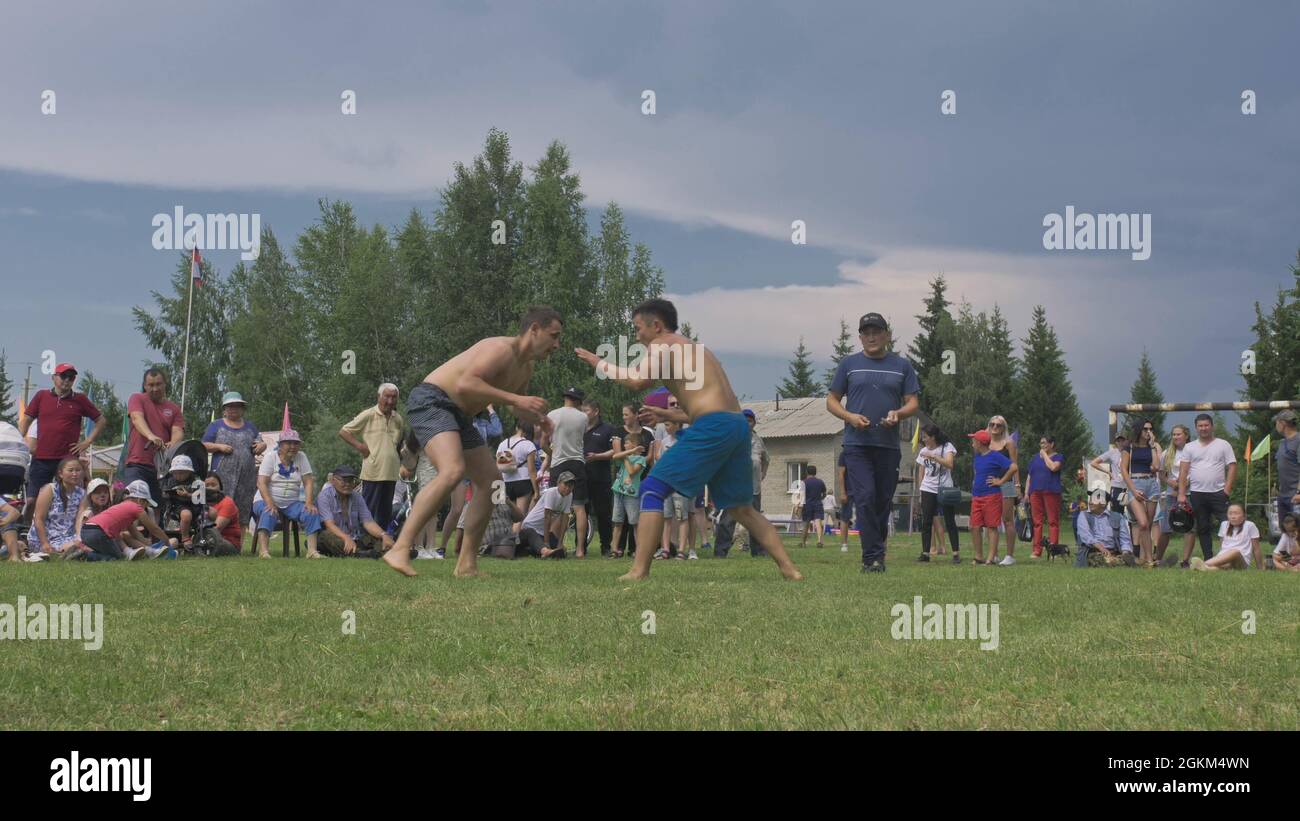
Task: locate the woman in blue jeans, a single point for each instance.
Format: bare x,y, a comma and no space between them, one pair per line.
1140,468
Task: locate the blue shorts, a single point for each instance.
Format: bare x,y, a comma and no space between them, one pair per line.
713,451
813,511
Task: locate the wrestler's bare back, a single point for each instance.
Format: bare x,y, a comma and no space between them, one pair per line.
709,392
496,360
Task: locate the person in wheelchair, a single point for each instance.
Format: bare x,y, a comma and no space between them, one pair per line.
179,510
1104,535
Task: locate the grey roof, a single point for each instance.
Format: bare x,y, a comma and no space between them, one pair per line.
796,417
807,416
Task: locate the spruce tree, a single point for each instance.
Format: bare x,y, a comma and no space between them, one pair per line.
1145,391
801,382
926,350
1048,401
843,347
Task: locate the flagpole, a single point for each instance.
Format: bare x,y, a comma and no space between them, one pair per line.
185,366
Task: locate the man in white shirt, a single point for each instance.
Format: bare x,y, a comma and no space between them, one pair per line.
1201,476
542,531
565,442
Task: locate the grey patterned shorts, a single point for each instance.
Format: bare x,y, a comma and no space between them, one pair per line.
431,412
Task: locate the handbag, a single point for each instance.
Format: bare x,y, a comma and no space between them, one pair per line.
1025,529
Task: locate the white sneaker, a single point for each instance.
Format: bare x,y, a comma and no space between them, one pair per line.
1007,561
34,557
844,548
133,553
154,552
425,553
692,555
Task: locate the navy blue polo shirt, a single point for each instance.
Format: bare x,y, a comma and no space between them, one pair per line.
873,388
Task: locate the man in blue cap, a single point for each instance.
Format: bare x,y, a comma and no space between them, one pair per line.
872,391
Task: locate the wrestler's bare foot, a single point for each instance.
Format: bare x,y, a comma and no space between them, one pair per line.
791,572
399,558
467,566
633,576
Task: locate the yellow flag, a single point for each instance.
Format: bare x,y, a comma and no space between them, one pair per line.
916,437
1248,452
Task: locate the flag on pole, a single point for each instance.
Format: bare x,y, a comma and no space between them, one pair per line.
916,437
1262,449
1248,452
196,267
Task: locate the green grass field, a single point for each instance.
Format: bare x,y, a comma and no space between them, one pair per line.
242,643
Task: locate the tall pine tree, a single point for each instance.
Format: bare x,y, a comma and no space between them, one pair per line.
1145,391
926,350
274,361
555,268
1276,350
843,347
1048,401
801,382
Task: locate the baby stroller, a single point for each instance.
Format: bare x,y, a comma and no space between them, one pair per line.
205,541
402,510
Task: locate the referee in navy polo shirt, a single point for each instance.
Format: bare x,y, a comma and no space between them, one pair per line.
872,391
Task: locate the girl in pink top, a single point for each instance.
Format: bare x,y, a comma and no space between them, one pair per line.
102,534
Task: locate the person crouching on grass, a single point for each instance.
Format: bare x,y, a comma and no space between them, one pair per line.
993,468
1286,556
102,535
542,532
1239,549
9,518
1103,531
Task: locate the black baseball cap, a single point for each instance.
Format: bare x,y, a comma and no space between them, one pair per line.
345,472
575,393
872,320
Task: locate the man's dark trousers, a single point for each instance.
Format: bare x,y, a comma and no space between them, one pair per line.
1204,505
379,500
872,472
600,506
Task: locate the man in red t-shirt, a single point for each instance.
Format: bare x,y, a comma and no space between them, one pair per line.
59,434
156,426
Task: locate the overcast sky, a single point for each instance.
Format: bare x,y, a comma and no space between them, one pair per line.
766,113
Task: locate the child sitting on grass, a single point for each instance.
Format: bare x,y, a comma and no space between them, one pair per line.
1286,556
1240,547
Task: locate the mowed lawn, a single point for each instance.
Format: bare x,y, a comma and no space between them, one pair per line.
242,643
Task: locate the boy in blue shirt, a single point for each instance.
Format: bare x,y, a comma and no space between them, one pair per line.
992,470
